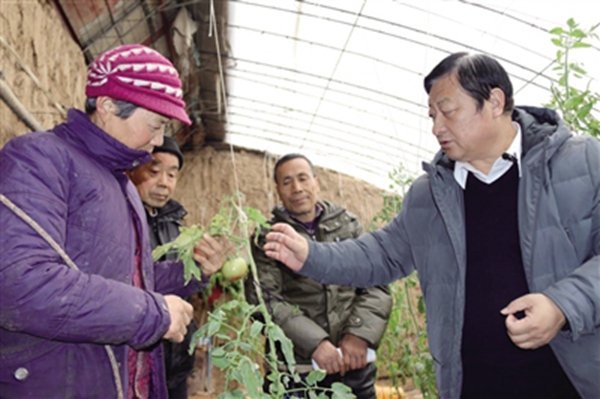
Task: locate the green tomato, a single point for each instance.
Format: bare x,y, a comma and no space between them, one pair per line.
235,269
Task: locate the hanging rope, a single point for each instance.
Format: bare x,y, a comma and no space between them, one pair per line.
40,230
213,28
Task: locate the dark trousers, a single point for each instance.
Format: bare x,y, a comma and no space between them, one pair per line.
179,392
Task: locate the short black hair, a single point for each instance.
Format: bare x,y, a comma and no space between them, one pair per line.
124,109
477,74
289,157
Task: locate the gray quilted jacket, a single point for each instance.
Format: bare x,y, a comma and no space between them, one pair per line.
559,224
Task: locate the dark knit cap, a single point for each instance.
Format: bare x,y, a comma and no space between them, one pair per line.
170,145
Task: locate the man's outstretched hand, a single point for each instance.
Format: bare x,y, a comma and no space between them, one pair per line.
285,245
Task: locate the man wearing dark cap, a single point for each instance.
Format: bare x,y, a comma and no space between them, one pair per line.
156,182
82,304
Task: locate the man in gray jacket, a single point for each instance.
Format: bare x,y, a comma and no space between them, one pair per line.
504,230
332,325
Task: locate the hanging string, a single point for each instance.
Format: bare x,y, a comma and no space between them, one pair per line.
337,63
114,365
213,27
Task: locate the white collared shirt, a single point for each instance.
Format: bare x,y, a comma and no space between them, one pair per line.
500,167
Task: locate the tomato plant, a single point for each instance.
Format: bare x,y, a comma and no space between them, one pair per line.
404,349
576,102
238,325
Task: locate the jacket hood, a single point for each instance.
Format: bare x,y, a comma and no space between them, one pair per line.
537,125
172,211
82,133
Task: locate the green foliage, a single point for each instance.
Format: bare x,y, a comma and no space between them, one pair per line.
225,223
234,323
404,349
576,105
406,339
392,201
185,250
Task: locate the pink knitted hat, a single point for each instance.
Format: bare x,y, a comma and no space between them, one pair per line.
139,75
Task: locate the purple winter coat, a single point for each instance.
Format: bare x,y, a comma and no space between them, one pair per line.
55,321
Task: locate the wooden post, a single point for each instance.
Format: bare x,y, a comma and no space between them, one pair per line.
37,82
18,108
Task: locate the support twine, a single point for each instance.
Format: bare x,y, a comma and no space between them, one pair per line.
34,225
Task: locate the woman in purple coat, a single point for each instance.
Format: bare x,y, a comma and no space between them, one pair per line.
92,329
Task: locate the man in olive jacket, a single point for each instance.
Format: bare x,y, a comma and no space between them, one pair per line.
320,318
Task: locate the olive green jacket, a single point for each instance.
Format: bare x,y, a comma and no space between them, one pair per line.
309,312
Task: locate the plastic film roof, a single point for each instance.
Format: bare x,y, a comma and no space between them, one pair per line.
342,81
